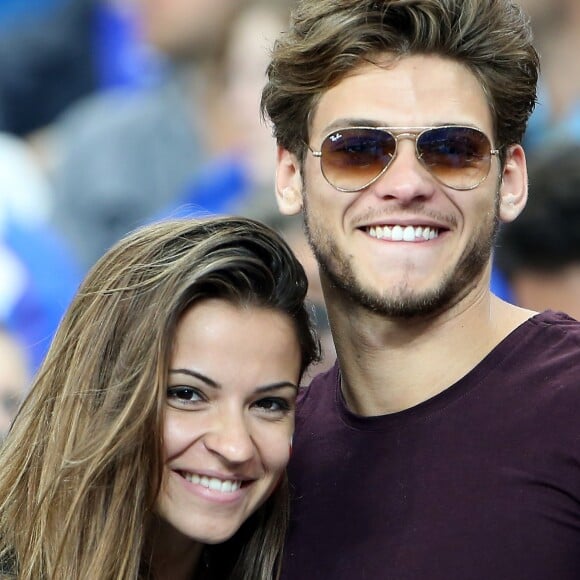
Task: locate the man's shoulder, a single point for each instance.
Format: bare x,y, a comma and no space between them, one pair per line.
556,319
552,336
318,398
538,369
319,387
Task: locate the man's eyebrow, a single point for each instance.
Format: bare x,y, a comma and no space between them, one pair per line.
343,123
209,382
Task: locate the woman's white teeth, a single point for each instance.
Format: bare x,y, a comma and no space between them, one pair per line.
213,483
403,234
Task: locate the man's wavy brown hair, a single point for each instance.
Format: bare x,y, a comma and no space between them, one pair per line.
327,39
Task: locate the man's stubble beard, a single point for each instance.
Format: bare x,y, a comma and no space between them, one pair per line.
404,302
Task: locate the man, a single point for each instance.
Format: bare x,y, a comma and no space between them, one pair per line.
445,443
540,252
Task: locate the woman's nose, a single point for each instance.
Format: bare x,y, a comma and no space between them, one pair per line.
230,438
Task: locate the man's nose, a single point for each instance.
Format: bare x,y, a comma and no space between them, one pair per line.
406,179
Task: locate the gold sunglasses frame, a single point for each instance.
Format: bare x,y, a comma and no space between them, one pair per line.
413,133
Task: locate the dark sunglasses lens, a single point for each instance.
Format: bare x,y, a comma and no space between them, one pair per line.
351,158
459,157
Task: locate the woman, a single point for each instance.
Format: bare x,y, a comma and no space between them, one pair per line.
162,416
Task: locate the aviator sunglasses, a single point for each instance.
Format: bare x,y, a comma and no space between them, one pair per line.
353,158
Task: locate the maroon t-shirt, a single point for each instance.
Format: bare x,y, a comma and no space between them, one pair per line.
481,482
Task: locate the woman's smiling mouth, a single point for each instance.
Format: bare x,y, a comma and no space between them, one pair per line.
213,483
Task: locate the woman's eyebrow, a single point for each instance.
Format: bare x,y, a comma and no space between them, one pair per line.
213,384
275,386
209,382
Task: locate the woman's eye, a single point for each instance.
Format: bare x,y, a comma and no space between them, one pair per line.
273,405
183,395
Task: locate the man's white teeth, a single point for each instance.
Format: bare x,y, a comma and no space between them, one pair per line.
403,234
213,483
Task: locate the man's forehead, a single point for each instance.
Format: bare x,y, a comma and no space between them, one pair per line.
418,90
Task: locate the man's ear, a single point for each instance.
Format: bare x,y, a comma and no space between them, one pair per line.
514,185
288,183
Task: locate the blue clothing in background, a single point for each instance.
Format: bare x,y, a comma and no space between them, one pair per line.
221,187
14,10
121,58
500,286
544,132
50,279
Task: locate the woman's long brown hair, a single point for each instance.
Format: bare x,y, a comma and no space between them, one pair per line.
81,468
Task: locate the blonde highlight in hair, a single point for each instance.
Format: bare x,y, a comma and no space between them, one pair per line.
81,468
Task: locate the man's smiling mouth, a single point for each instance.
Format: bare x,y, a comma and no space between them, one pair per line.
397,233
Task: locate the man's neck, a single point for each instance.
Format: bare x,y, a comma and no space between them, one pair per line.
389,365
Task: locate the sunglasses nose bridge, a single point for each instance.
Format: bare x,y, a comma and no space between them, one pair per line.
408,136
405,169
415,137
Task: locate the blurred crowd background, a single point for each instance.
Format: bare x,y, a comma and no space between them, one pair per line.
114,113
